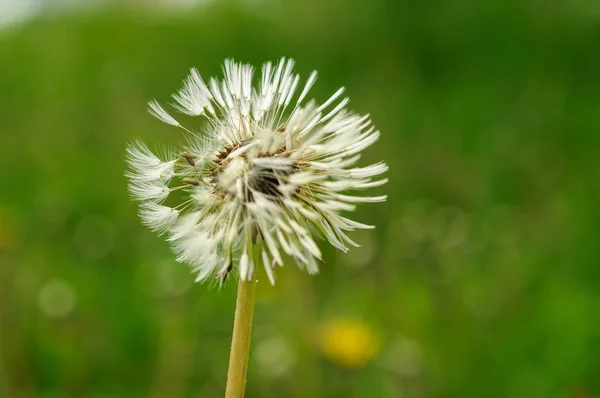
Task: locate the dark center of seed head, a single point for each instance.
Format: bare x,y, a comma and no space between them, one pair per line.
266,180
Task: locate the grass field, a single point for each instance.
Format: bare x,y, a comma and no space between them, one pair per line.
481,279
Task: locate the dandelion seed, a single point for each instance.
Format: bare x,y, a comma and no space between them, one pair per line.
263,180
157,217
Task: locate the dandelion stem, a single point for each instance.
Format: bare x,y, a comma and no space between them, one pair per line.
240,343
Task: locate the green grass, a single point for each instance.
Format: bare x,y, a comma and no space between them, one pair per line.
481,279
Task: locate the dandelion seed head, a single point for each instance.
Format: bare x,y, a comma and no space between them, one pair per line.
266,176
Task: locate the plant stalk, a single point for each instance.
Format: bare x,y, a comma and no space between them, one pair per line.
240,342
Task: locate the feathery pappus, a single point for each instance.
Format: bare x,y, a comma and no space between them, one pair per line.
266,176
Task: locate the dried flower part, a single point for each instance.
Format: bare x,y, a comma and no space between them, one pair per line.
266,178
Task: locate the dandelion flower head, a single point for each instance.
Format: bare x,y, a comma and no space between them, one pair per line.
265,177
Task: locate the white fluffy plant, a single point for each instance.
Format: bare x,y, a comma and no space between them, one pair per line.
266,175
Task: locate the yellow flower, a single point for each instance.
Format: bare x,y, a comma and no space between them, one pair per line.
348,343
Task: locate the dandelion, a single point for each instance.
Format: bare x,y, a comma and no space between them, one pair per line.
348,343
267,176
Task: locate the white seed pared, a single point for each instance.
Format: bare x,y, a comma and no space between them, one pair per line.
264,177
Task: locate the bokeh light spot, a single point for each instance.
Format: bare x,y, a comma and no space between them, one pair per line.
56,298
361,256
274,356
172,279
403,356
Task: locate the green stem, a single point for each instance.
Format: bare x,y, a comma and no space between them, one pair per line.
240,342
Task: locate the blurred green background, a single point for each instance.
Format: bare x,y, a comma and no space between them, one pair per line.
481,279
